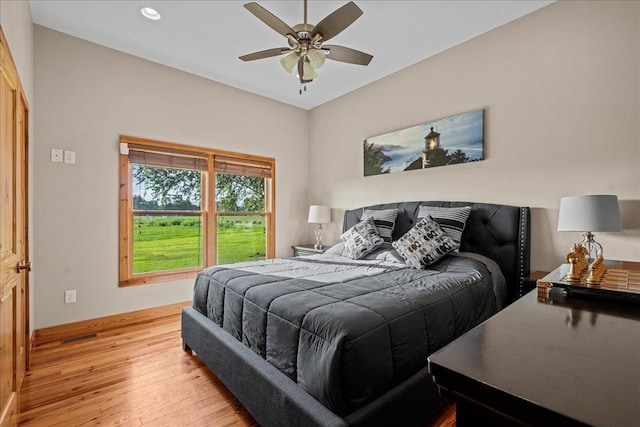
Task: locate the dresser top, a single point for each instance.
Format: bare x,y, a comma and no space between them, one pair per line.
579,359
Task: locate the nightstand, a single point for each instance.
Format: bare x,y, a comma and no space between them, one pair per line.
301,250
527,284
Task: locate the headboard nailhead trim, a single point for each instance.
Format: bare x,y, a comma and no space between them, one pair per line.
521,247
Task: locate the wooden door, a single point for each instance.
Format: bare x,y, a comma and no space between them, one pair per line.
13,238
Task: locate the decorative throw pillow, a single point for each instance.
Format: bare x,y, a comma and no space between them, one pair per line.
385,221
451,220
424,244
360,239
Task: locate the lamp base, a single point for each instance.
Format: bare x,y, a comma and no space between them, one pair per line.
594,249
319,232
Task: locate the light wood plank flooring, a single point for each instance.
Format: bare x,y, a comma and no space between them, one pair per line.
133,376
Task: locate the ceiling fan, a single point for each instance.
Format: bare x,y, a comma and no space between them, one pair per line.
306,48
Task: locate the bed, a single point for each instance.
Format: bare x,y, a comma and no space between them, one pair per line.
325,340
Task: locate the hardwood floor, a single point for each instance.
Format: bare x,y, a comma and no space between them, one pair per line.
132,376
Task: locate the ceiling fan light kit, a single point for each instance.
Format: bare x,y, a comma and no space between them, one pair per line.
306,48
289,61
316,58
308,72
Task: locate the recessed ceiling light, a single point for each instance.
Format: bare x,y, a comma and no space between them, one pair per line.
150,13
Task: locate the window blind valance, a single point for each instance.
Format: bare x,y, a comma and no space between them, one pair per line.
240,166
168,158
158,155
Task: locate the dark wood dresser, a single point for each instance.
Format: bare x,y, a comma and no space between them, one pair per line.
542,363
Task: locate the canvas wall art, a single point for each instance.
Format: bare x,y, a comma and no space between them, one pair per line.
449,141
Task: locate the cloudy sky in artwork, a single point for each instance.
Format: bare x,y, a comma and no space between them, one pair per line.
463,132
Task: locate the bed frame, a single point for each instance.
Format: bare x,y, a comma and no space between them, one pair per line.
498,232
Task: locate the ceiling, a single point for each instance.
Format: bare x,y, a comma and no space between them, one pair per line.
206,38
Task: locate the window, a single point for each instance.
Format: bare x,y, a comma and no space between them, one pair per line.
172,225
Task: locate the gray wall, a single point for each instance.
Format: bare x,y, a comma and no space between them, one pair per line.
88,95
561,92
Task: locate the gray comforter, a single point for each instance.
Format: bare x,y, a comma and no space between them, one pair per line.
346,331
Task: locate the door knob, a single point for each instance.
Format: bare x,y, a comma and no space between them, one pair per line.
24,265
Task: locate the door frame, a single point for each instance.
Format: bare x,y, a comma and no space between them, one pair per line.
19,141
27,232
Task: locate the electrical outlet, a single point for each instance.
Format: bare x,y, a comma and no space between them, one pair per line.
70,296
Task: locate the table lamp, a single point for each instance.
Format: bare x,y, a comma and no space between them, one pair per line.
587,214
319,215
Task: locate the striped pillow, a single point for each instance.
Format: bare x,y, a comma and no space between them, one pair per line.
385,221
451,220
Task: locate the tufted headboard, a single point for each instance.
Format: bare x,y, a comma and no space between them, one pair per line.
498,232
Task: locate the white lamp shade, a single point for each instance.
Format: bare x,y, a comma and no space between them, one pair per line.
589,213
319,214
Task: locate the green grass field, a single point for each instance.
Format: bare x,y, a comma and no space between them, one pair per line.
172,242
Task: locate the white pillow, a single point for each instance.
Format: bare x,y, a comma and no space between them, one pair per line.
336,249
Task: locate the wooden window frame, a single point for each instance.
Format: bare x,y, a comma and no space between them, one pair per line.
209,212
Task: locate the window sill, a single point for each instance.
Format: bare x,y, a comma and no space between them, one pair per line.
167,276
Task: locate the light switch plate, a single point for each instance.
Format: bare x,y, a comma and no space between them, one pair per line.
69,156
56,155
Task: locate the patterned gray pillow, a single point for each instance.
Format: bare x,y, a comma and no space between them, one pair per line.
385,221
451,220
424,244
361,239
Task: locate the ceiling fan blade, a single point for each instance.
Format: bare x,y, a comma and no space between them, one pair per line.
270,19
265,54
336,22
345,54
